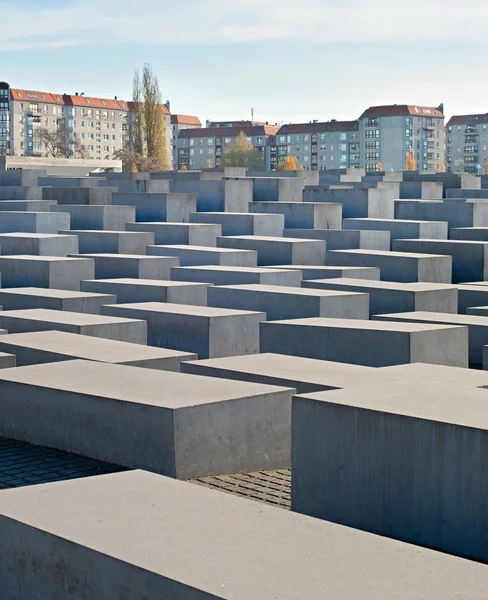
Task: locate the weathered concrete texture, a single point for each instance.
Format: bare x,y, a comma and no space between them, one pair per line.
179,425
481,311
318,272
468,193
281,302
472,234
34,222
388,296
477,326
358,202
81,195
149,290
340,239
112,218
400,229
472,294
303,374
226,195
112,266
7,360
422,190
278,251
45,271
404,460
452,375
301,215
469,259
113,328
71,301
53,346
400,266
278,189
41,244
457,214
144,535
112,242
243,223
369,343
219,275
159,207
192,234
208,332
26,205
201,255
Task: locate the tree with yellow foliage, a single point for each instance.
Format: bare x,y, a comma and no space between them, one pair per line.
410,162
379,167
442,168
183,168
290,164
486,166
240,152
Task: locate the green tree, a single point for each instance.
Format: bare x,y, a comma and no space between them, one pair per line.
240,152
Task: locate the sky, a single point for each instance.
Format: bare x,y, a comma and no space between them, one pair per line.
289,60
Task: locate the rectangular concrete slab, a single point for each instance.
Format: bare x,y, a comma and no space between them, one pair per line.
25,298
144,536
202,255
208,332
159,207
340,239
243,223
440,373
176,424
329,272
114,328
97,217
7,361
368,343
303,215
114,266
42,244
221,275
112,242
149,290
404,460
457,214
192,234
41,347
401,228
34,222
281,302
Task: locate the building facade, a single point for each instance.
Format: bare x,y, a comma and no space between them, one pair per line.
99,126
178,123
467,143
388,133
204,148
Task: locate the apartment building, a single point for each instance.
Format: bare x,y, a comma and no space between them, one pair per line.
204,148
100,125
178,123
388,133
467,143
318,146
233,123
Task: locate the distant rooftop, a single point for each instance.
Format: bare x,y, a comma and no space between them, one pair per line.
398,110
319,127
468,119
185,120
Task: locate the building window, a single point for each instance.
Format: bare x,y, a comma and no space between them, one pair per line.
372,145
372,133
372,155
343,157
470,149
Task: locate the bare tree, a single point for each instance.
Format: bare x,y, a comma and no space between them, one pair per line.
59,143
135,162
137,115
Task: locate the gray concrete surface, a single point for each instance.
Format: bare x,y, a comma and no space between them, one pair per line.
25,298
201,255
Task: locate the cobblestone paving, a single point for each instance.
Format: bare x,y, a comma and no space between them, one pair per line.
25,464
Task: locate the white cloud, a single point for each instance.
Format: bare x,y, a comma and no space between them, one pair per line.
194,22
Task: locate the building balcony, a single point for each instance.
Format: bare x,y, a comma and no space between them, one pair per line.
34,112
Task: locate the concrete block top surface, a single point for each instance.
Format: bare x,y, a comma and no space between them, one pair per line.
420,286
49,293
34,236
427,400
89,347
441,373
437,317
361,325
149,282
181,309
61,316
229,269
118,256
269,239
212,542
163,389
375,220
199,248
40,259
281,289
389,253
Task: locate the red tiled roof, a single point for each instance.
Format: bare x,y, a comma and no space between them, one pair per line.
319,127
185,120
31,95
398,110
219,131
467,119
231,123
67,99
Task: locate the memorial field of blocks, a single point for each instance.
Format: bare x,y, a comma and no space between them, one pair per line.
313,341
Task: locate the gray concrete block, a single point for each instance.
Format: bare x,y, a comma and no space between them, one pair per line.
34,222
281,302
388,296
45,271
278,251
453,375
26,205
403,460
318,272
457,214
357,202
368,343
472,294
422,190
175,208
176,424
340,239
41,347
477,327
114,266
141,534
113,328
303,374
400,229
472,234
149,290
112,218
202,255
42,244
401,266
7,360
220,275
192,234
303,215
208,332
278,189
112,242
481,311
243,223
469,259
99,196
225,195
35,297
